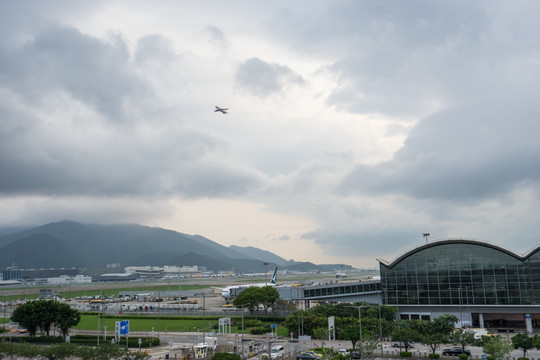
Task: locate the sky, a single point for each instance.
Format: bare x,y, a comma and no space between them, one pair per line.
354,126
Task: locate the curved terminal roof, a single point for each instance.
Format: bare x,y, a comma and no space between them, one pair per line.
443,242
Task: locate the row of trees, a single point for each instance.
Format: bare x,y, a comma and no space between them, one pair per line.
42,314
66,351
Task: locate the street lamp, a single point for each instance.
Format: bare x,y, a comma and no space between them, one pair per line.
242,339
360,322
426,235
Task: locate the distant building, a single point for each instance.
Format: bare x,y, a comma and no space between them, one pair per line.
45,294
117,277
64,279
48,273
12,273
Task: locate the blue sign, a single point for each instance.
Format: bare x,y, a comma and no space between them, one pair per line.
124,327
274,325
484,357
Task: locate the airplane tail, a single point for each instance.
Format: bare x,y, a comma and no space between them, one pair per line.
274,277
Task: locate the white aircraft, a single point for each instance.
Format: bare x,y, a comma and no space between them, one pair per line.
223,110
341,275
230,292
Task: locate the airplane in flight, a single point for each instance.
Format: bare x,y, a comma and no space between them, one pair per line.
223,110
230,292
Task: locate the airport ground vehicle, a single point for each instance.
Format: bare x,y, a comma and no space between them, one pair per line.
455,351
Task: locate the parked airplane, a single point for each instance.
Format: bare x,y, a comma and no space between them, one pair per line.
341,275
230,292
223,110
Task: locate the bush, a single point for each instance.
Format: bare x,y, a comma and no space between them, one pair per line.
405,354
258,331
225,356
490,357
523,358
434,356
463,356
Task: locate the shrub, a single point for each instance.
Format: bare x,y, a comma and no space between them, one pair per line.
434,356
225,356
257,330
523,358
463,356
405,354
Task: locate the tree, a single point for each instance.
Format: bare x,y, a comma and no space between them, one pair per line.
523,341
42,313
65,318
437,331
462,338
406,334
254,296
351,333
496,346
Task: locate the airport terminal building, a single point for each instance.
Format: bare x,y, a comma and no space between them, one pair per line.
484,285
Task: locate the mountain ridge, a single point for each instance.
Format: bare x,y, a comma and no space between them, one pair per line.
73,244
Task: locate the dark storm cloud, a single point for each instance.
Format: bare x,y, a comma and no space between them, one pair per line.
262,78
466,154
91,70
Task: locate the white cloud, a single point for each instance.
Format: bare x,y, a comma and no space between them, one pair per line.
354,126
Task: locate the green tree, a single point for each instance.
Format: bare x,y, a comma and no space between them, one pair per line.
42,314
253,297
496,346
27,317
66,317
351,333
406,334
523,342
436,332
462,337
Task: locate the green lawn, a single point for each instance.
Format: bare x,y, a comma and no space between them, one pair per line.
90,322
65,292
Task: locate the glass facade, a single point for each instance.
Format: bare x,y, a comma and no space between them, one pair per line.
454,272
345,289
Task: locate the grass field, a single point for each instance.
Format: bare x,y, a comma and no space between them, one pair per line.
90,322
65,292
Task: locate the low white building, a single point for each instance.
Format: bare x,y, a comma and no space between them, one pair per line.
65,279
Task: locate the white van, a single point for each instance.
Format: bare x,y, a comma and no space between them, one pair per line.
277,351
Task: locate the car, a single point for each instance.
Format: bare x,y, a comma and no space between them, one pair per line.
455,351
356,355
307,356
343,352
401,344
277,351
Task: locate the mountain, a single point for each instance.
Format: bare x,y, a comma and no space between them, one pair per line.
72,244
255,253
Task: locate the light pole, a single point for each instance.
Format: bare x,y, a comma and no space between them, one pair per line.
242,339
360,325
426,235
265,274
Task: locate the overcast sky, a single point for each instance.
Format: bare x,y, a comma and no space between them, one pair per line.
354,126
